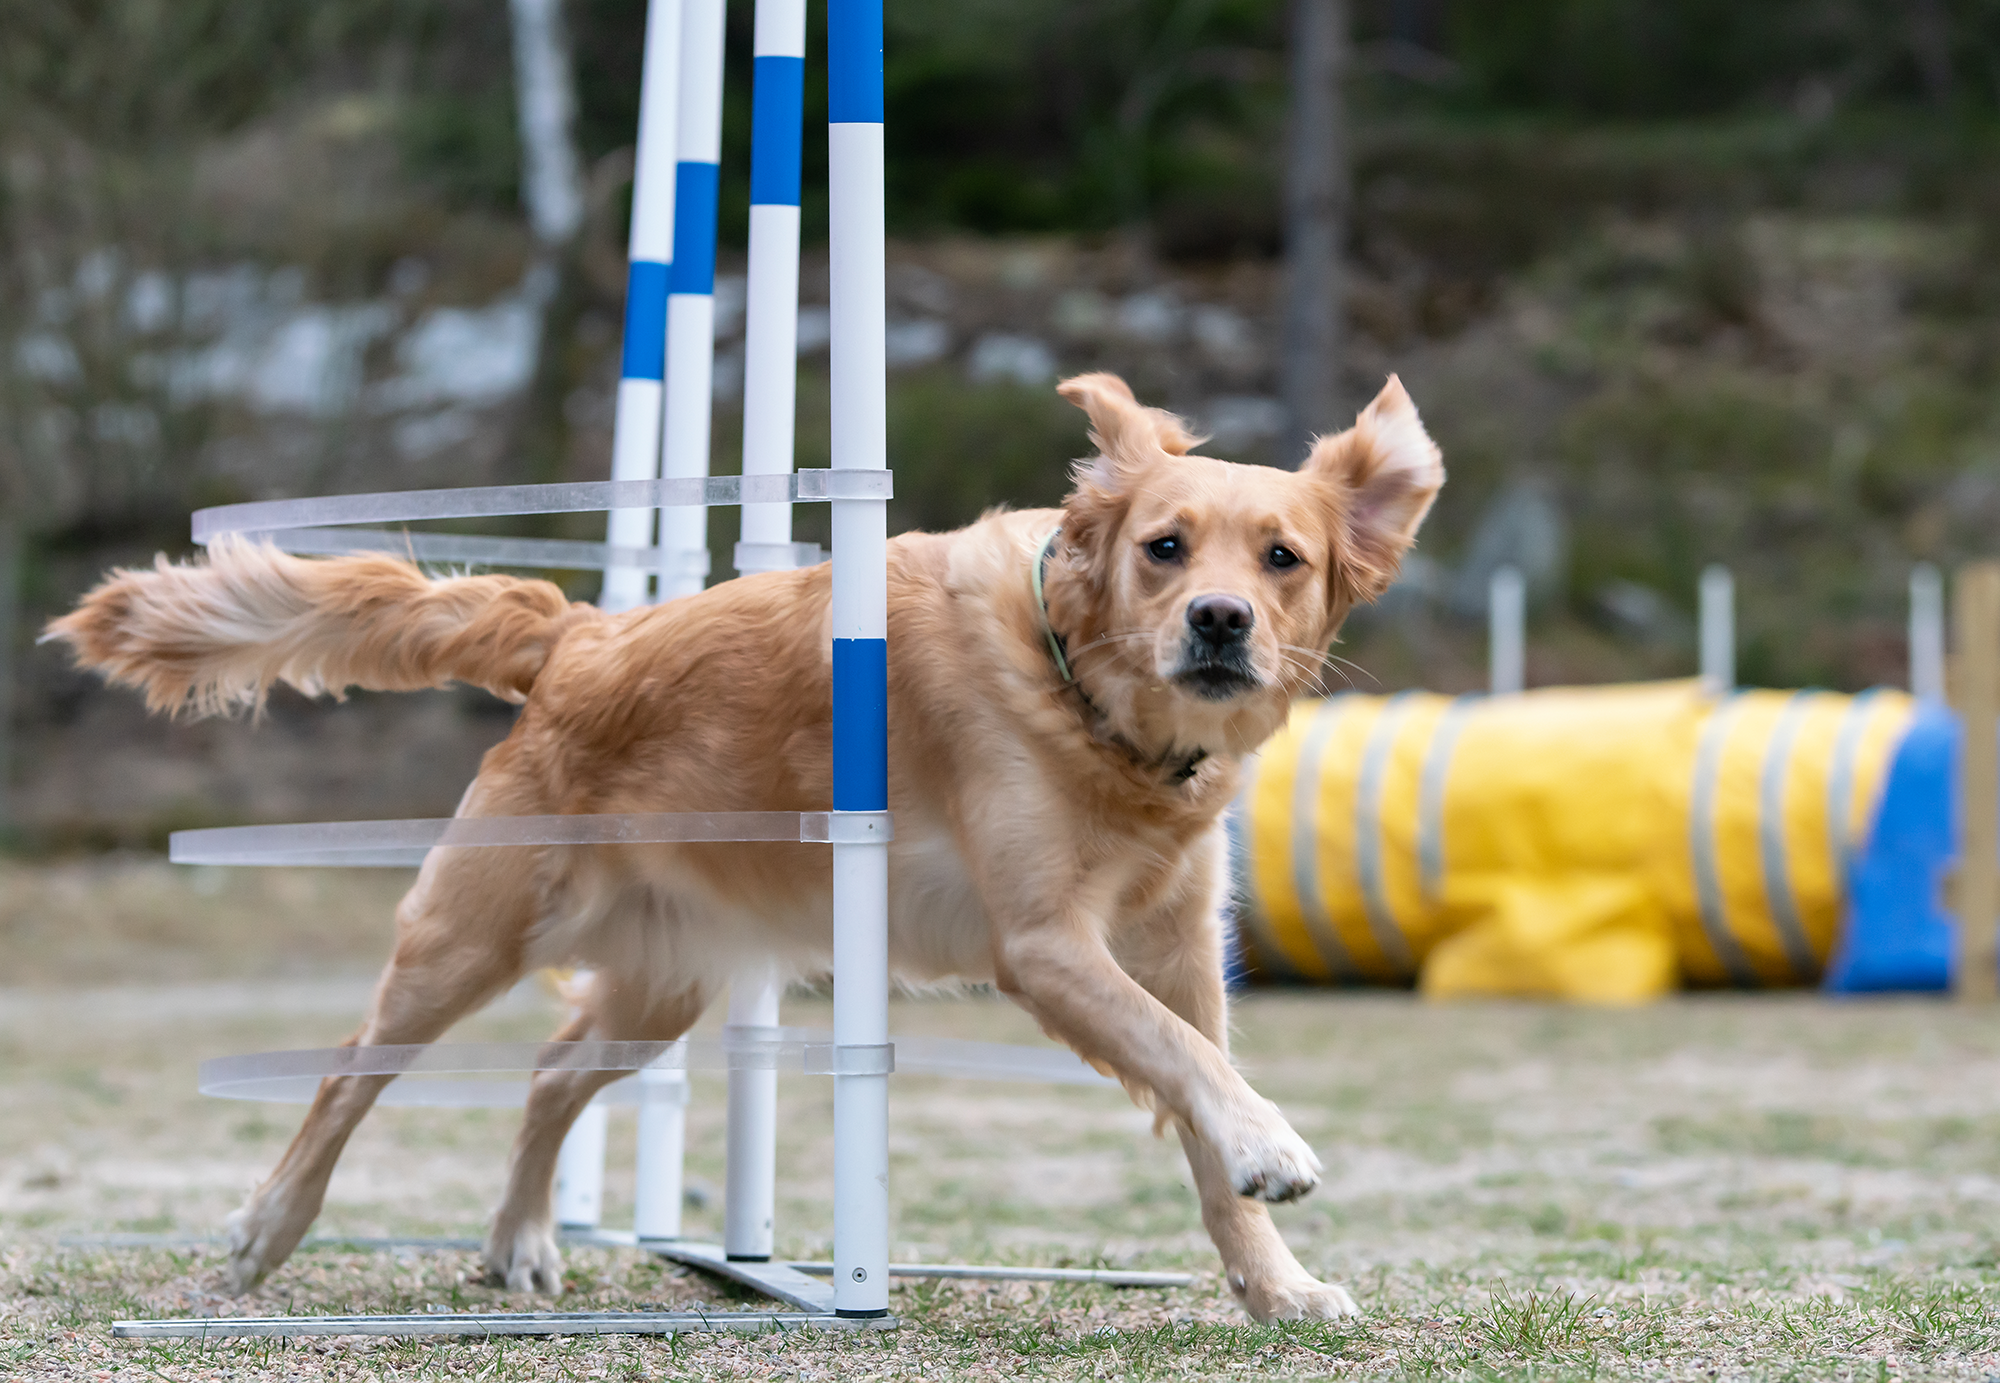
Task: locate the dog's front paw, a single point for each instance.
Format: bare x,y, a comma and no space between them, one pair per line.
1293,1297
525,1259
1268,1160
262,1234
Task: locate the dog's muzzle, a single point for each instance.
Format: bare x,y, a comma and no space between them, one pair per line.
1215,654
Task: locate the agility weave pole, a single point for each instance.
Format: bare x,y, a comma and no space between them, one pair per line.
770,388
858,302
675,378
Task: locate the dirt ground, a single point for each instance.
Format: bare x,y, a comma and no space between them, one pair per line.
1717,1187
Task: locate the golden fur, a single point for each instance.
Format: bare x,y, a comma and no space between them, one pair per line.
1060,841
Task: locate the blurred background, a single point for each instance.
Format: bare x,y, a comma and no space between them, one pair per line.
1673,282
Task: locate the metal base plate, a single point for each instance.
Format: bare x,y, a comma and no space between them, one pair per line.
778,1280
790,1282
1102,1277
493,1323
590,1238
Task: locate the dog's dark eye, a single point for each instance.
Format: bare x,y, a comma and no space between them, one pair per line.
1167,549
1282,557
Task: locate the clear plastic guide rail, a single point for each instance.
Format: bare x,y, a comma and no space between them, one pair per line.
293,1077
403,844
274,517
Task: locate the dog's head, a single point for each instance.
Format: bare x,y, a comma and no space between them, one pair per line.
1202,595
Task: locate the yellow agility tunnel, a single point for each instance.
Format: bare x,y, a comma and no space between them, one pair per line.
1606,844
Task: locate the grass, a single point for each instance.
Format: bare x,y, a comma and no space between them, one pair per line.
1717,1187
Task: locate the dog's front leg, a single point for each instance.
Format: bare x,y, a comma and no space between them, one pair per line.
1062,973
1179,961
1238,1144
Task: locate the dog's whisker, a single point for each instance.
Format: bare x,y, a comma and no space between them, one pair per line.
1333,657
1311,673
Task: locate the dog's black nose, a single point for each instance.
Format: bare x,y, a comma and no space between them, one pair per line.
1221,619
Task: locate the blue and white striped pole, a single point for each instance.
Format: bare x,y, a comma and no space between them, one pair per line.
691,294
635,445
770,378
771,327
860,657
635,455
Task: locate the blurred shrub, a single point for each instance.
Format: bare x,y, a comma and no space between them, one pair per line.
1695,57
138,72
1003,115
958,449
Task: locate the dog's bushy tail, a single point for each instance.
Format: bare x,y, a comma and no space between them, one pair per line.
207,637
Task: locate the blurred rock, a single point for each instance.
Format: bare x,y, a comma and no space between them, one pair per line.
1082,314
1153,317
909,343
1241,420
1639,612
815,329
999,356
1224,336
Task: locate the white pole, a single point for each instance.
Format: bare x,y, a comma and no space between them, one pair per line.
750,1192
860,652
1927,633
771,327
1718,628
690,374
580,1171
662,1130
770,384
658,1181
1506,631
635,443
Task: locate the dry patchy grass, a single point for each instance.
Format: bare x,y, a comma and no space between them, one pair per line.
1711,1188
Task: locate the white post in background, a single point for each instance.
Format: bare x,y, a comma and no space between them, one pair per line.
1927,633
658,1182
1506,631
580,1171
750,1192
635,442
690,370
579,1191
858,282
771,326
1718,629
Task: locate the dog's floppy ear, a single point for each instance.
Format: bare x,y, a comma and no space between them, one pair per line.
1120,427
1389,471
1129,438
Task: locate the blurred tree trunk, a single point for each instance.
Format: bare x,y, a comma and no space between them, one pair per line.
552,193
1930,41
1316,207
545,104
10,600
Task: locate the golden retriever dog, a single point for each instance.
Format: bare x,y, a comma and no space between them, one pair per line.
1058,768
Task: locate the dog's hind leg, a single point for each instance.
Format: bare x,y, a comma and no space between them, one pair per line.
521,1248
458,943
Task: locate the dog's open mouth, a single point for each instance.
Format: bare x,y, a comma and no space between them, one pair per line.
1217,680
